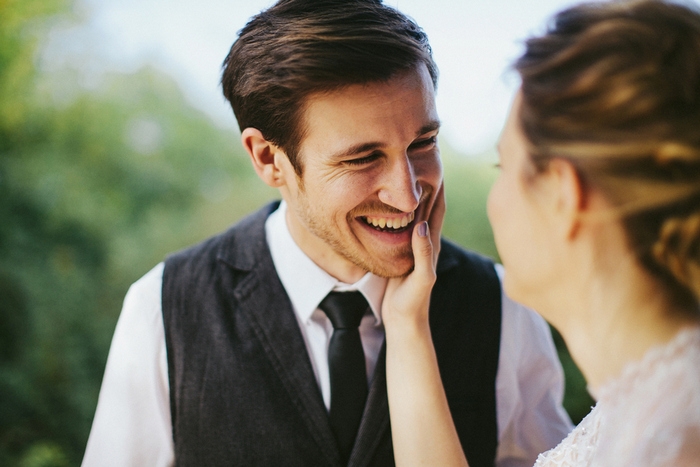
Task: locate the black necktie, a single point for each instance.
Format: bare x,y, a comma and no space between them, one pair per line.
346,361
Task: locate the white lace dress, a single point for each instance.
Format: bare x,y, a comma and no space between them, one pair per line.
647,417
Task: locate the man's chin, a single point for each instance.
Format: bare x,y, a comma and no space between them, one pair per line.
392,268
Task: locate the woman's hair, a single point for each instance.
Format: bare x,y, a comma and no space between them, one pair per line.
615,89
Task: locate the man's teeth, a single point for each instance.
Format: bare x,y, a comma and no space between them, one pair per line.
391,223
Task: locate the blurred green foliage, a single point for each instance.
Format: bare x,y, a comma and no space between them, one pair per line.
467,184
96,186
94,190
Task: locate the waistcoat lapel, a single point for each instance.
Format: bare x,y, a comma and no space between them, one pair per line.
263,301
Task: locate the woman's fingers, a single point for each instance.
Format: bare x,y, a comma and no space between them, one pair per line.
409,296
423,253
437,215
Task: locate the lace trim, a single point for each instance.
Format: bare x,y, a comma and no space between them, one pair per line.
685,341
578,448
629,426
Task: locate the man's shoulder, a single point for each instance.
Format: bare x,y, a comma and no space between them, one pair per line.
454,257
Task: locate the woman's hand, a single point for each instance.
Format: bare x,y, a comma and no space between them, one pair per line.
407,298
422,429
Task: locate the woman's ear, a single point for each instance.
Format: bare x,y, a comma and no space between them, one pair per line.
570,194
262,154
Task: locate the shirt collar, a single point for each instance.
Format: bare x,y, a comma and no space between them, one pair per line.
304,281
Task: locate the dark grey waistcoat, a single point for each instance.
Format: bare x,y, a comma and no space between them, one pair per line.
242,389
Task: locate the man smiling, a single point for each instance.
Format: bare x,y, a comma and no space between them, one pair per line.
369,170
233,353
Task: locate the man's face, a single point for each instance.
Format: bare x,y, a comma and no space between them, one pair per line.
371,169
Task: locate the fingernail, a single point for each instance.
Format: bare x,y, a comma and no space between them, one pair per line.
423,229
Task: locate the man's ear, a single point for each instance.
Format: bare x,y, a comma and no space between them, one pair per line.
262,154
570,196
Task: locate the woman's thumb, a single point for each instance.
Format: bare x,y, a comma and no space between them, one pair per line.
423,250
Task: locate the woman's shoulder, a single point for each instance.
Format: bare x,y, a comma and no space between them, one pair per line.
651,415
666,377
578,448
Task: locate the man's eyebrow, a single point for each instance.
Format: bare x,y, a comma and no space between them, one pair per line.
356,149
428,127
369,146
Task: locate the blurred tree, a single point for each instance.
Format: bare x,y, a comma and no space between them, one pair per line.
467,184
96,186
94,191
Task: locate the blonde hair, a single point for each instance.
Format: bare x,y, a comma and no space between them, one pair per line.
615,89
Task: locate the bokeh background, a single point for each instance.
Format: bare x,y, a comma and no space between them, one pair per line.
116,148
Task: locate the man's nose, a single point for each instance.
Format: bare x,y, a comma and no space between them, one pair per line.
400,187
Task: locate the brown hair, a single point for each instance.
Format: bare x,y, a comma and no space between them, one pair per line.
615,89
301,47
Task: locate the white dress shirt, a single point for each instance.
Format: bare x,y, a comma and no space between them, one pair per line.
132,425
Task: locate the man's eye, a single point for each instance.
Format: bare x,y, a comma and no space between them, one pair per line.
424,143
363,160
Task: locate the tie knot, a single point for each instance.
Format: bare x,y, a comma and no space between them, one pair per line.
344,309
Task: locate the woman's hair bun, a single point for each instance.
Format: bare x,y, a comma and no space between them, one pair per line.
677,250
